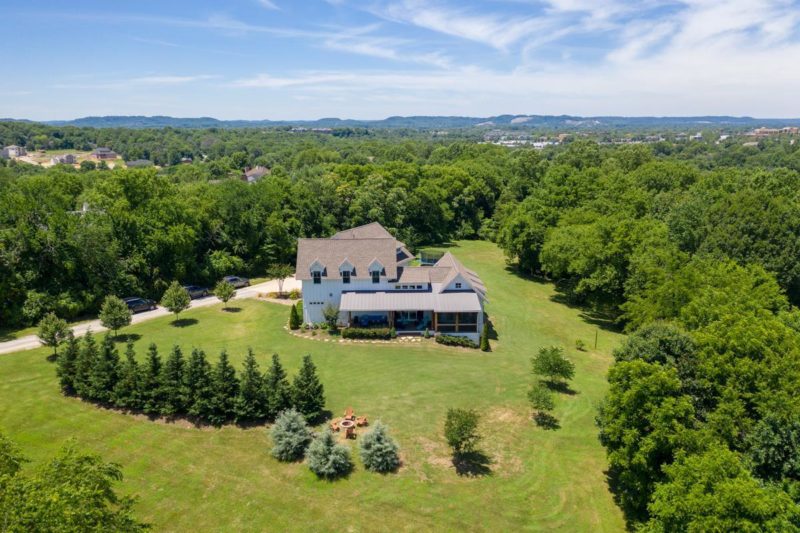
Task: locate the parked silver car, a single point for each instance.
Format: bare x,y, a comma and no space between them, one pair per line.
237,282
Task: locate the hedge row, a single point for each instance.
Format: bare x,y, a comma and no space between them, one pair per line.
452,340
369,333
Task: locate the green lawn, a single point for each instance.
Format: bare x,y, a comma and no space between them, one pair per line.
224,479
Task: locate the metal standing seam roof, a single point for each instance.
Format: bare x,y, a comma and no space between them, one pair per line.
448,302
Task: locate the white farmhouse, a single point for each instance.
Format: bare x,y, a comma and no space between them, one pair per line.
363,272
10,152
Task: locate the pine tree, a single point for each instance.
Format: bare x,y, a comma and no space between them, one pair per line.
307,392
277,390
197,381
290,436
66,364
105,372
294,318
379,451
328,459
128,392
173,396
84,364
224,390
251,404
151,383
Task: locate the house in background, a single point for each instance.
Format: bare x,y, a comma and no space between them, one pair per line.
13,151
252,175
364,272
103,154
64,159
139,163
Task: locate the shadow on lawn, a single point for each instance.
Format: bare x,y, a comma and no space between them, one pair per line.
184,322
546,421
559,386
232,309
127,337
472,464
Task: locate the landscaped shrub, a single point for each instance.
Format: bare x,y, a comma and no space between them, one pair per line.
367,333
379,451
580,345
290,436
461,430
328,459
452,340
294,318
295,294
485,338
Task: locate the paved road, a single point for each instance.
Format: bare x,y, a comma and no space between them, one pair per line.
32,341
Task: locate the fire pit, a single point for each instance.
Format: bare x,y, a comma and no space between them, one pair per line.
347,424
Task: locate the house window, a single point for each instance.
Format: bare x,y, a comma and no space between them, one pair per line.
345,276
376,276
458,285
317,276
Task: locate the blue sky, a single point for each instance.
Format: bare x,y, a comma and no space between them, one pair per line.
306,59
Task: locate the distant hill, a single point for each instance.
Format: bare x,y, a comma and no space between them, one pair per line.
435,122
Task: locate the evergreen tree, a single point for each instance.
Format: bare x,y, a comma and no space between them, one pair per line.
66,365
84,364
294,318
379,451
128,393
485,338
105,372
290,436
307,392
251,404
197,381
327,459
173,396
277,390
224,390
151,382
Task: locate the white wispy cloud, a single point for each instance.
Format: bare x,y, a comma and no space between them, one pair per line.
268,4
138,81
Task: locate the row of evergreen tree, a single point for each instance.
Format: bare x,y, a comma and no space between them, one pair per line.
191,388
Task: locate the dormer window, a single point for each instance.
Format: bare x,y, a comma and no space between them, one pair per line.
317,277
376,276
458,285
345,276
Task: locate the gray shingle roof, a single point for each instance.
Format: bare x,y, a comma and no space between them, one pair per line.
373,230
332,252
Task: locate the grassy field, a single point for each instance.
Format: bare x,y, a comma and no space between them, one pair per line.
224,479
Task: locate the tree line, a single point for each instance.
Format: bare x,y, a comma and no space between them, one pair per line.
189,387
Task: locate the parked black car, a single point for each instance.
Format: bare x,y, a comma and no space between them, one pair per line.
237,282
137,304
196,291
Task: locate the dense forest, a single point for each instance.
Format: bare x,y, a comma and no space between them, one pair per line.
690,246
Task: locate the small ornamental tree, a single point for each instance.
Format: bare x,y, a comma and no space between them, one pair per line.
290,436
280,272
176,299
485,338
294,318
552,365
379,451
541,399
331,315
52,331
277,391
127,392
173,394
224,291
251,404
224,390
327,459
114,314
197,384
308,394
461,430
66,365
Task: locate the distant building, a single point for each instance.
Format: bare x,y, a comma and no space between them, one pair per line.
792,130
252,175
764,132
103,154
139,163
186,160
13,151
64,159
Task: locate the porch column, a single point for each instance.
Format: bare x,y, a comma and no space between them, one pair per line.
435,325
